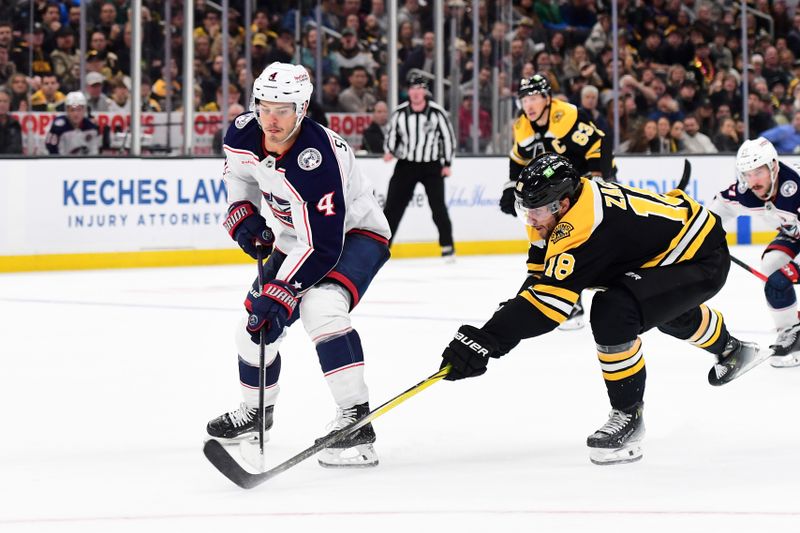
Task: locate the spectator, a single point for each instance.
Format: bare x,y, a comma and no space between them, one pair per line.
375,133
599,36
357,98
758,119
421,58
330,95
48,98
10,129
20,92
283,49
694,141
667,106
65,58
588,102
96,100
786,139
726,139
667,144
410,13
676,132
233,111
120,97
643,141
308,53
465,125
7,68
234,97
99,45
350,55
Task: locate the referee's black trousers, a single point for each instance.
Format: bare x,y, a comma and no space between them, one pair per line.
401,190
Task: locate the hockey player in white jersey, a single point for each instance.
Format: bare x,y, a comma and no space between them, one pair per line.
766,188
332,239
73,133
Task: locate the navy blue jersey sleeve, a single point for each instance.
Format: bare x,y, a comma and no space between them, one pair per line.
59,127
315,176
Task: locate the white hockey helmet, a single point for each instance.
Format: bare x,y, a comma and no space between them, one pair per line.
754,154
283,82
74,99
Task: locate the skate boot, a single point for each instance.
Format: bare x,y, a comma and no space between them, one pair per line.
786,350
619,440
576,318
356,449
449,254
240,424
738,358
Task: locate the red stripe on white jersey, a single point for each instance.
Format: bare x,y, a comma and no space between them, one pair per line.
354,365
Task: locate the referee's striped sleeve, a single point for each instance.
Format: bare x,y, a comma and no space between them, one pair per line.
390,144
448,138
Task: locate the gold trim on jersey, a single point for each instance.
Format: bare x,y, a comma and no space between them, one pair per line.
594,151
710,328
686,243
584,217
535,268
620,365
550,307
563,117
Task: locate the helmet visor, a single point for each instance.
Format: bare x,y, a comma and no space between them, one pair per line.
532,216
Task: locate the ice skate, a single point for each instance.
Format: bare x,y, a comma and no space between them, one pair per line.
738,358
449,254
619,440
239,424
576,318
786,350
356,449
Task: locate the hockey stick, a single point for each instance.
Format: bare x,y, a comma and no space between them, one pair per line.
750,269
262,364
687,173
226,464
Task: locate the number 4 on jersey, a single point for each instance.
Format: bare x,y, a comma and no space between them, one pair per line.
325,205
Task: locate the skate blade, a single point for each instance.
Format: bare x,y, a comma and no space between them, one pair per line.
360,456
715,379
618,456
572,324
785,361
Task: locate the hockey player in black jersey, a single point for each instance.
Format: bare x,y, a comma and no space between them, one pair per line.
767,189
655,259
548,125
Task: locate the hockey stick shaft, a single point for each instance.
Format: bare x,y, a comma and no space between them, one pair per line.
228,466
750,269
687,174
262,362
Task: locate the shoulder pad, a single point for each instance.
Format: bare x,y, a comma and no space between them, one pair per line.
563,116
245,134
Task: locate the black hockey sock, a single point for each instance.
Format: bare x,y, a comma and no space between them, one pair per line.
624,372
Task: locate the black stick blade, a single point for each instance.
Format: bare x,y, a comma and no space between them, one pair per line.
227,465
687,173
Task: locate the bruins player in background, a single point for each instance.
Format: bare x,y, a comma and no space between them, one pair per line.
546,125
655,259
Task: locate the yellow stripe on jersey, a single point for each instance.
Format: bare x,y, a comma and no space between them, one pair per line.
713,332
620,365
563,116
621,356
579,222
554,314
516,157
535,268
559,292
704,319
694,230
594,151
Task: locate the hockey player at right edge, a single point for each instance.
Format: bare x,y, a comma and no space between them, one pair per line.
655,260
768,189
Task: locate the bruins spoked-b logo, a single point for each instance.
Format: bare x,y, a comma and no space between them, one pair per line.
561,231
309,159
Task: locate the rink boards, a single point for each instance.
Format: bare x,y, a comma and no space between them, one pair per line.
115,213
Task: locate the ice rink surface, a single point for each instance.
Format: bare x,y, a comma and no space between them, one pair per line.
109,377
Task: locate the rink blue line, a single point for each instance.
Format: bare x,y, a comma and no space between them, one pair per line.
444,512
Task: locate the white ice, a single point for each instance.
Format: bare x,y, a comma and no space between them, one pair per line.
109,377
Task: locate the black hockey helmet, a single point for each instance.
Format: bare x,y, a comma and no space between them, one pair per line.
418,80
538,83
546,180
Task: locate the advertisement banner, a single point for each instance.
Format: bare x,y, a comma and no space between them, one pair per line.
62,206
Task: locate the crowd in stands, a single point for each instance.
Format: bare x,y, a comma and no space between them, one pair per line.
681,66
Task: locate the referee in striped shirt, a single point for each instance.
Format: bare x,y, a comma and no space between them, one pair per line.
421,137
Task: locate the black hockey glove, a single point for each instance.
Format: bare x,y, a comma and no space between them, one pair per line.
272,309
248,228
468,353
508,200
